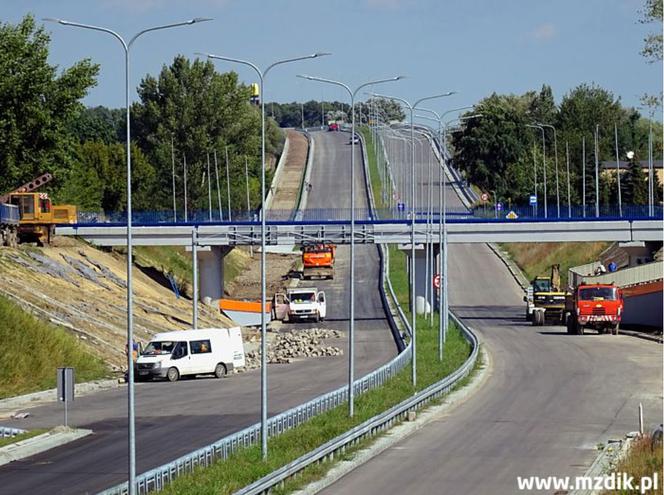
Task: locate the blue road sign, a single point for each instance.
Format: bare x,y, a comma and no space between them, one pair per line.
533,200
499,206
401,206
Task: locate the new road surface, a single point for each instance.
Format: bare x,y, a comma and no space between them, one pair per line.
549,400
176,418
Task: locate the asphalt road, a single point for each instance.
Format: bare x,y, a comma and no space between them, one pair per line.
549,400
173,419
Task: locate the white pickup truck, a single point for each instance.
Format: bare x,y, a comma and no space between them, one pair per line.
299,304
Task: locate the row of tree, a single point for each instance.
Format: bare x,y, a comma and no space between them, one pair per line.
319,113
501,152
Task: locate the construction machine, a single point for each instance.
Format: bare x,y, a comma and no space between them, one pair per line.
37,215
545,300
318,261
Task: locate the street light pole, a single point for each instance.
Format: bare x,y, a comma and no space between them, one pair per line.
597,171
615,128
351,328
130,319
555,147
569,194
541,128
583,173
412,220
261,76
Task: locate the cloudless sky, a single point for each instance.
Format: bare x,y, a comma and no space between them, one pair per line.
475,47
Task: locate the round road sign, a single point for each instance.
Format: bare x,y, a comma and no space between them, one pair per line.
484,197
436,281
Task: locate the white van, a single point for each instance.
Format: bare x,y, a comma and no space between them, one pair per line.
191,352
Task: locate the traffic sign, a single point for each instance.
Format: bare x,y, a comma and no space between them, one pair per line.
499,206
401,206
533,200
436,281
512,215
484,197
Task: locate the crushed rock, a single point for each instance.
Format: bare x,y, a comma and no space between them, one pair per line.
286,346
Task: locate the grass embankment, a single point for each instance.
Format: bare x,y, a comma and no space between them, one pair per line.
376,185
177,261
32,350
23,436
643,459
535,258
247,466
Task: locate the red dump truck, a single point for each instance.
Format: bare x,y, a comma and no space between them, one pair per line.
596,306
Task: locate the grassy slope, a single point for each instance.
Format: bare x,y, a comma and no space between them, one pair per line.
32,350
246,466
535,259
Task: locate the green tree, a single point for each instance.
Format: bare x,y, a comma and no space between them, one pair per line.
100,124
198,110
36,105
98,179
634,186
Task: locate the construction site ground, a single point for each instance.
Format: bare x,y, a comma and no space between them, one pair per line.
287,191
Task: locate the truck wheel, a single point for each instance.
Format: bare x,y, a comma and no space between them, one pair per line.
173,375
615,329
220,370
538,318
317,319
570,325
580,330
529,316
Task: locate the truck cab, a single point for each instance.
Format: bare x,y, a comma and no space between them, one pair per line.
300,304
596,306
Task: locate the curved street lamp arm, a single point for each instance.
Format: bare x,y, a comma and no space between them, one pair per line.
167,26
63,22
236,60
294,59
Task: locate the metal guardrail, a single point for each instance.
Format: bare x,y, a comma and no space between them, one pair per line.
6,431
371,427
157,478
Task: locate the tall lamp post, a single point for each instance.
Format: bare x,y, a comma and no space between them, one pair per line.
412,219
555,152
442,228
130,320
351,329
541,128
261,76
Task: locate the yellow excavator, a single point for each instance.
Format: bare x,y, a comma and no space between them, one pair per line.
545,300
38,216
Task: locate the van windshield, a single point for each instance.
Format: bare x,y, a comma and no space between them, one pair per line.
159,348
303,297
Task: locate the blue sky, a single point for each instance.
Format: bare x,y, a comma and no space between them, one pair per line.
471,46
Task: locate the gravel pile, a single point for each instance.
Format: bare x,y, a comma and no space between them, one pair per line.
295,344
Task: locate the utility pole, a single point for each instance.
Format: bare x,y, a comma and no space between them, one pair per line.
228,186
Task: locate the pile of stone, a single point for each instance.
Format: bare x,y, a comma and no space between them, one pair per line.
287,346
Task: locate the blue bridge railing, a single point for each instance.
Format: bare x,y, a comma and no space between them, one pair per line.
454,215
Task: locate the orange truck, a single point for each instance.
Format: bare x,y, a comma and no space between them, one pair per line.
597,306
318,261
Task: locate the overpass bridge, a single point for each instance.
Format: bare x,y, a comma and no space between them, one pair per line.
392,231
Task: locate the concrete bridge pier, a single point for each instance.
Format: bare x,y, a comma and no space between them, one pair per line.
426,296
211,273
